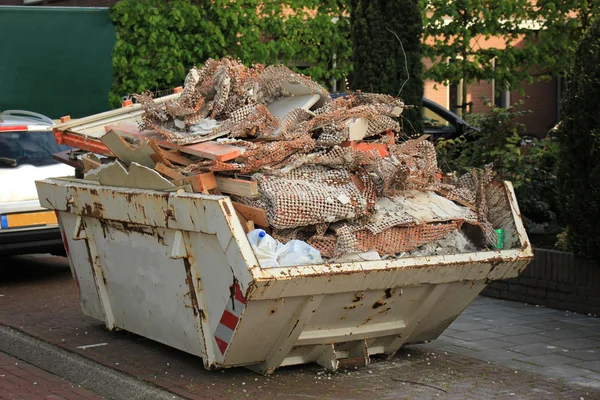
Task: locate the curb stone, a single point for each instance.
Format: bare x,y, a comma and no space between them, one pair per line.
77,369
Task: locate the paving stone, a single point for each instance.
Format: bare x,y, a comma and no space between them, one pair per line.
487,308
468,326
567,334
594,330
514,330
553,325
475,335
586,321
514,304
565,371
534,311
493,355
503,321
550,359
533,319
578,343
534,349
497,314
591,365
584,354
485,344
525,339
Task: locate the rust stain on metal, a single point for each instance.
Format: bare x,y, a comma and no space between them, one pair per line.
358,297
93,192
226,208
385,310
388,293
378,304
190,282
352,307
272,310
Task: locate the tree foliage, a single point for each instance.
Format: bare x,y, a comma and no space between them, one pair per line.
159,41
458,35
579,138
561,28
532,39
386,40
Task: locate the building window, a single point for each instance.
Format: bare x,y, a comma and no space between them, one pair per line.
502,96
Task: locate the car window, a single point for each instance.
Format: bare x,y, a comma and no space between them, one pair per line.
29,147
433,120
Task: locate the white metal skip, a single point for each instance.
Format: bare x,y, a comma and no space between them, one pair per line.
177,268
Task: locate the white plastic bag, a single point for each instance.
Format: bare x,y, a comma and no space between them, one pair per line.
297,252
272,253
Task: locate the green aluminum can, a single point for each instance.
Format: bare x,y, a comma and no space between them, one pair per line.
500,243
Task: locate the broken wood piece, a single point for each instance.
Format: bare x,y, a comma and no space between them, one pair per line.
201,183
212,150
247,225
237,186
159,154
168,172
138,176
129,150
255,214
90,161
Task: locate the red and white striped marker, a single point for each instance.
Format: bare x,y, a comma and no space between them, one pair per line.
230,318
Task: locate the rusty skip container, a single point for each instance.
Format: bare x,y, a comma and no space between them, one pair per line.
177,268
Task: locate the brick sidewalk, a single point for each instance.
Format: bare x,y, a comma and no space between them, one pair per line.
19,380
39,298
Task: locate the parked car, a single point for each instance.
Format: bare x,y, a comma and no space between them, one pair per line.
438,121
26,147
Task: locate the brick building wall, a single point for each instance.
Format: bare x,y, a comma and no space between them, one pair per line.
540,97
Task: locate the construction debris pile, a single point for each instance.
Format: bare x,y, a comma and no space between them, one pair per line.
299,165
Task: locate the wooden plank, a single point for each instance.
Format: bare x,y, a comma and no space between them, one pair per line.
255,214
247,225
201,183
176,157
159,154
237,186
168,172
212,150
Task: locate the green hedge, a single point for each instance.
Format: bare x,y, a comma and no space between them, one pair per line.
158,41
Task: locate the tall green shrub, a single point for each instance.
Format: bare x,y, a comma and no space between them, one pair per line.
579,138
379,62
